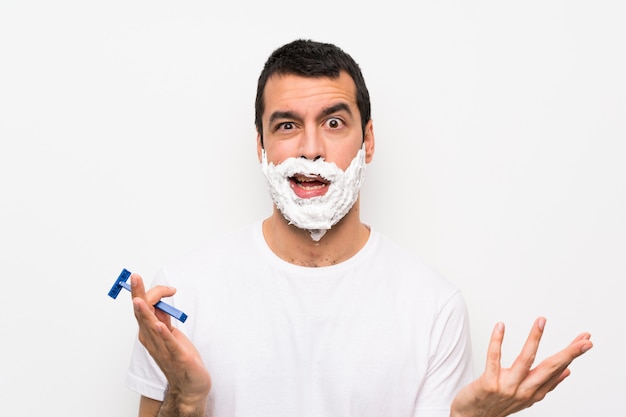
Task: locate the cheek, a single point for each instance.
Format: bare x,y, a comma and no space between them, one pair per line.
278,152
346,158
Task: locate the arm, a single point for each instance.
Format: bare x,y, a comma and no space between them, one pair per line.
154,408
149,407
501,391
188,380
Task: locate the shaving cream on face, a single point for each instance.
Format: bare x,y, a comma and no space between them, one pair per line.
315,214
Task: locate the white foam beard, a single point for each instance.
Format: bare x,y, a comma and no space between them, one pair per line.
316,214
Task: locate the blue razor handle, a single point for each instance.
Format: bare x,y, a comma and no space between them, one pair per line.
121,282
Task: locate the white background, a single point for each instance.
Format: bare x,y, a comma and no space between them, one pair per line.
127,137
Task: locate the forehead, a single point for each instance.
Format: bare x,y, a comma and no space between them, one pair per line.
294,92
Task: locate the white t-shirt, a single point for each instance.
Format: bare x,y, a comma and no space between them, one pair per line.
380,334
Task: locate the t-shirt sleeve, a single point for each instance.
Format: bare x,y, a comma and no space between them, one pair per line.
450,364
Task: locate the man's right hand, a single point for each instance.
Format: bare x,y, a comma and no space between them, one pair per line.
189,381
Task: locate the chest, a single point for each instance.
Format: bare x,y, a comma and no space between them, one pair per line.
329,345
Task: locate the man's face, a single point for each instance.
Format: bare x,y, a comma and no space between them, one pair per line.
313,118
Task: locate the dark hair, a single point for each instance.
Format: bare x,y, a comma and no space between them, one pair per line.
311,59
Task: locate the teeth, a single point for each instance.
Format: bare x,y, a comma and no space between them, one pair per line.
313,187
306,179
308,183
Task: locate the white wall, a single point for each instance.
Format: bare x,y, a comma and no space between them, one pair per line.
127,137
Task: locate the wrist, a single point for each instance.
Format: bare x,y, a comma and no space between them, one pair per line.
458,410
181,404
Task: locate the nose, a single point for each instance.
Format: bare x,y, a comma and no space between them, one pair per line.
311,145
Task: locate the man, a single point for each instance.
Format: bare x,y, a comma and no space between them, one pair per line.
311,312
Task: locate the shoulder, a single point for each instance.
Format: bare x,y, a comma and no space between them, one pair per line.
397,264
397,258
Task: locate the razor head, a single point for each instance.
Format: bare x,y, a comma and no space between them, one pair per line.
120,283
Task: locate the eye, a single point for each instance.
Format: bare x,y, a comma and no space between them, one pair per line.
285,126
334,123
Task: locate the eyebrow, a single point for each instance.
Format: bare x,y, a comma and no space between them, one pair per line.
287,114
336,108
284,115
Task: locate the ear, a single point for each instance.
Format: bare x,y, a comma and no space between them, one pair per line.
368,141
259,147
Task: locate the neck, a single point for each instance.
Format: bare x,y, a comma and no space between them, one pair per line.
295,245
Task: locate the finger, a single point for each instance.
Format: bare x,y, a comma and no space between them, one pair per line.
144,313
152,296
582,336
555,381
164,318
539,392
171,345
147,316
530,394
577,347
137,288
546,376
138,292
582,343
152,333
148,322
494,353
527,356
169,340
555,368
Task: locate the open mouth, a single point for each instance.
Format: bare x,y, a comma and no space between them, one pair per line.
305,186
308,183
